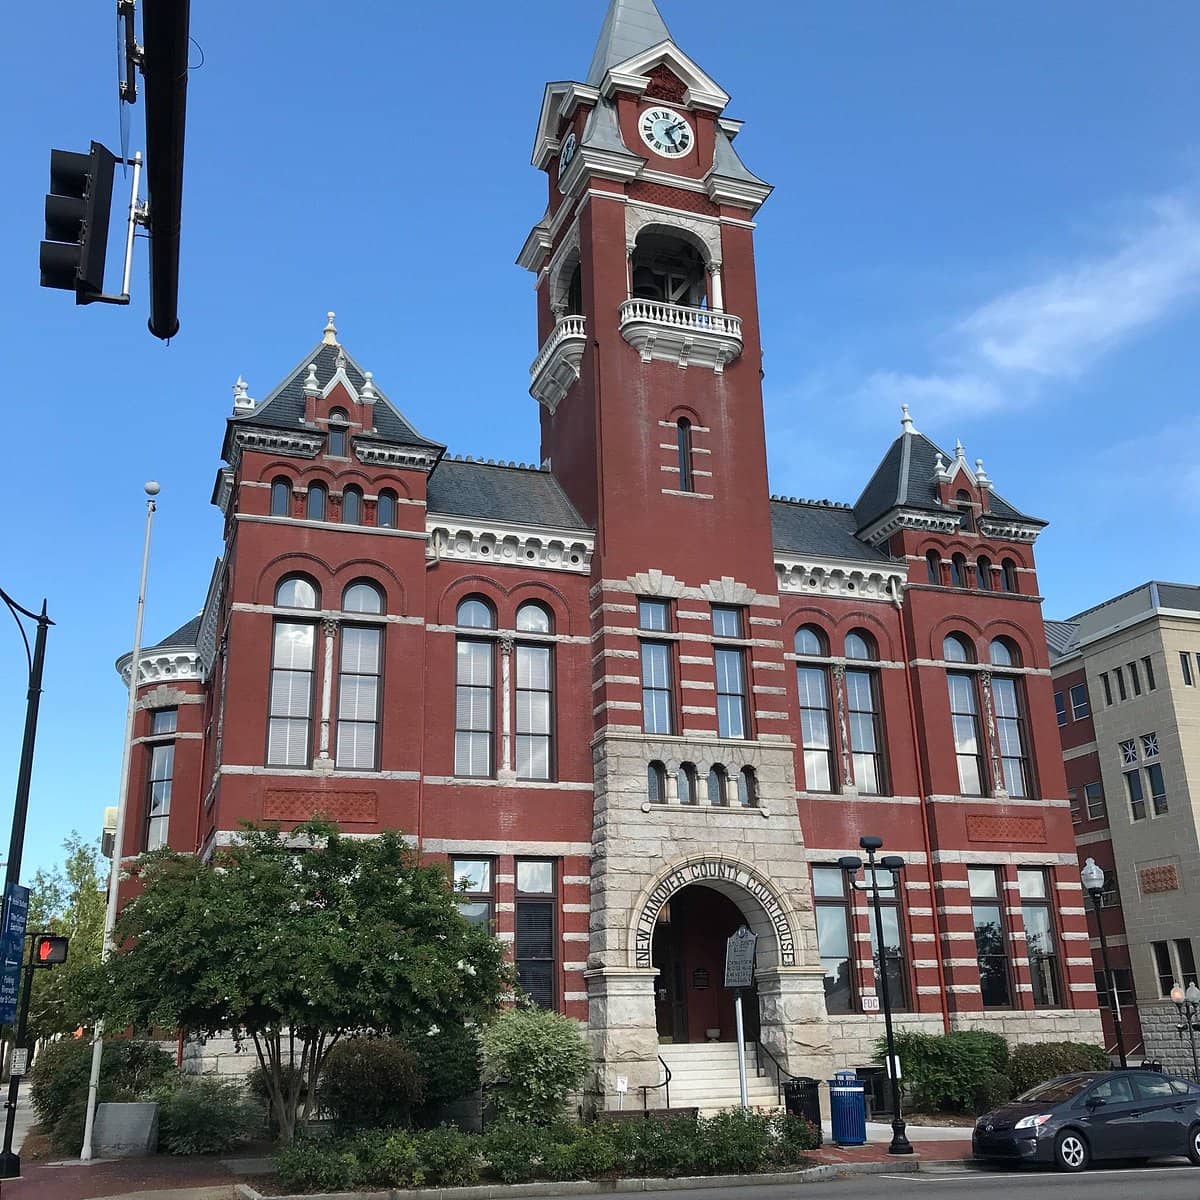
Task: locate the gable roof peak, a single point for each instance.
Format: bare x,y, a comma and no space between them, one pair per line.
630,26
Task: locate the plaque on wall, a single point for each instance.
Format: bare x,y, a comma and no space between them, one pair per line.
700,978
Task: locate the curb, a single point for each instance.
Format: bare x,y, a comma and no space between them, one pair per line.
512,1191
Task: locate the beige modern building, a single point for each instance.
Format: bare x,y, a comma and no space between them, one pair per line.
1127,688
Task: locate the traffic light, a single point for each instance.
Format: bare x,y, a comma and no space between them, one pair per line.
48,950
77,210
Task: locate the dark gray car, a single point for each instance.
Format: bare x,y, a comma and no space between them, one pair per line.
1073,1119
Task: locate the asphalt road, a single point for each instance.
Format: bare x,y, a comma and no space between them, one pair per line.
1173,1181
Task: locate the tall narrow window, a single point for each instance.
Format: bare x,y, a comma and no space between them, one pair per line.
1093,793
1185,665
1060,708
747,788
1148,663
385,509
962,501
1135,679
1158,788
1080,707
318,499
533,949
987,910
358,698
1040,940
474,891
890,958
1187,961
717,782
535,711
816,725
833,937
731,692
683,436
656,783
958,571
964,715
866,731
933,567
1119,676
1137,797
291,698
985,573
281,497
657,689
475,700
1008,572
337,432
1010,732
685,783
1164,968
352,506
158,794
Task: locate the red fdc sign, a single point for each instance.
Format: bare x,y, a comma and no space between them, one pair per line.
50,951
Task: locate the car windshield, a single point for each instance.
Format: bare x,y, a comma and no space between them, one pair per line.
1055,1091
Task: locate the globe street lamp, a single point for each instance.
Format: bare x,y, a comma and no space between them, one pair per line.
851,864
1092,878
1188,1004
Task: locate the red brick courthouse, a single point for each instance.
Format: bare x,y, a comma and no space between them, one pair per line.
634,698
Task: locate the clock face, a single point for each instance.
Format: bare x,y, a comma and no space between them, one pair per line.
666,132
566,156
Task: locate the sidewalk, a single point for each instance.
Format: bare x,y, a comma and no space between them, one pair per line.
156,1176
930,1144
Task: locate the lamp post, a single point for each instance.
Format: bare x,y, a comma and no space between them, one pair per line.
10,1163
1188,1004
114,874
1092,878
893,863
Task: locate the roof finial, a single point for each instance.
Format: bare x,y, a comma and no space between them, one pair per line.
906,422
959,453
367,394
981,476
311,386
242,401
330,337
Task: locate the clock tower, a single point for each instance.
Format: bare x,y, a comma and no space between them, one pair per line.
649,379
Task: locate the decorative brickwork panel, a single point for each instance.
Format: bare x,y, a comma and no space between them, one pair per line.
1159,879
665,85
657,193
285,804
1027,830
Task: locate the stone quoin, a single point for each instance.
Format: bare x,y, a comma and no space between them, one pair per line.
631,698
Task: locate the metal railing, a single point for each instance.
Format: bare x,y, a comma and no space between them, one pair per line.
773,1065
647,1088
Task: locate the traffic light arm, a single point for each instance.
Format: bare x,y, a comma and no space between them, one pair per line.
137,215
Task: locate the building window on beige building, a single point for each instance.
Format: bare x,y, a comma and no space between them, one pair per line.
1148,663
1185,664
1108,696
1137,797
1174,962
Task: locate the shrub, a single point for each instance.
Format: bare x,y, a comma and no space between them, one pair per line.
794,1136
534,1060
129,1070
449,1157
371,1083
316,1167
512,1151
993,1090
580,1152
449,1064
386,1159
735,1142
668,1147
203,1114
1035,1062
944,1071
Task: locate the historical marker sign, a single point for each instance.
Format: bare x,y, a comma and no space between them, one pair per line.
12,947
739,959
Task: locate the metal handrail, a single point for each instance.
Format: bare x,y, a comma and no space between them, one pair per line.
780,1071
653,1087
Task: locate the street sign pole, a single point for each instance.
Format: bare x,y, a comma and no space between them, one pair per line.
741,1043
739,975
10,1163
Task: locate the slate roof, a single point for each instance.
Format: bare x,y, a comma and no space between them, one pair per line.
819,528
1062,637
630,26
496,493
904,479
284,407
185,635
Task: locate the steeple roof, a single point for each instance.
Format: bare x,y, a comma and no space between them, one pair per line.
630,26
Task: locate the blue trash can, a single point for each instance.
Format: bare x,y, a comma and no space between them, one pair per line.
848,1109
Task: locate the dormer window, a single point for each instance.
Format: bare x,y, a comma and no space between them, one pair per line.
966,506
339,419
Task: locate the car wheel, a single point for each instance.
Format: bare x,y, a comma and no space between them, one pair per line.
1071,1151
1193,1145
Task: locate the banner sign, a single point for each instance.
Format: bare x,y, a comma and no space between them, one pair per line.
12,948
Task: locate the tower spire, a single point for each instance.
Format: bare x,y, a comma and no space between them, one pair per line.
630,26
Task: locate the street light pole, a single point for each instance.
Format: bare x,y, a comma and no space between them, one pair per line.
114,874
1093,883
10,1163
1188,1004
894,863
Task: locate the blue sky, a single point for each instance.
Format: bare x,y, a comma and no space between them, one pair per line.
986,211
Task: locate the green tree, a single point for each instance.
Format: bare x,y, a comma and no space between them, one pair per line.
295,948
68,900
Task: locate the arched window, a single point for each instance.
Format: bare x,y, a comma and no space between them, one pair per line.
338,420
860,644
747,784
667,269
685,782
958,571
281,497
656,783
1008,570
317,502
683,443
1008,709
385,509
534,618
362,597
352,506
956,648
933,563
1004,653
575,292
985,573
810,641
717,779
296,591
475,613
